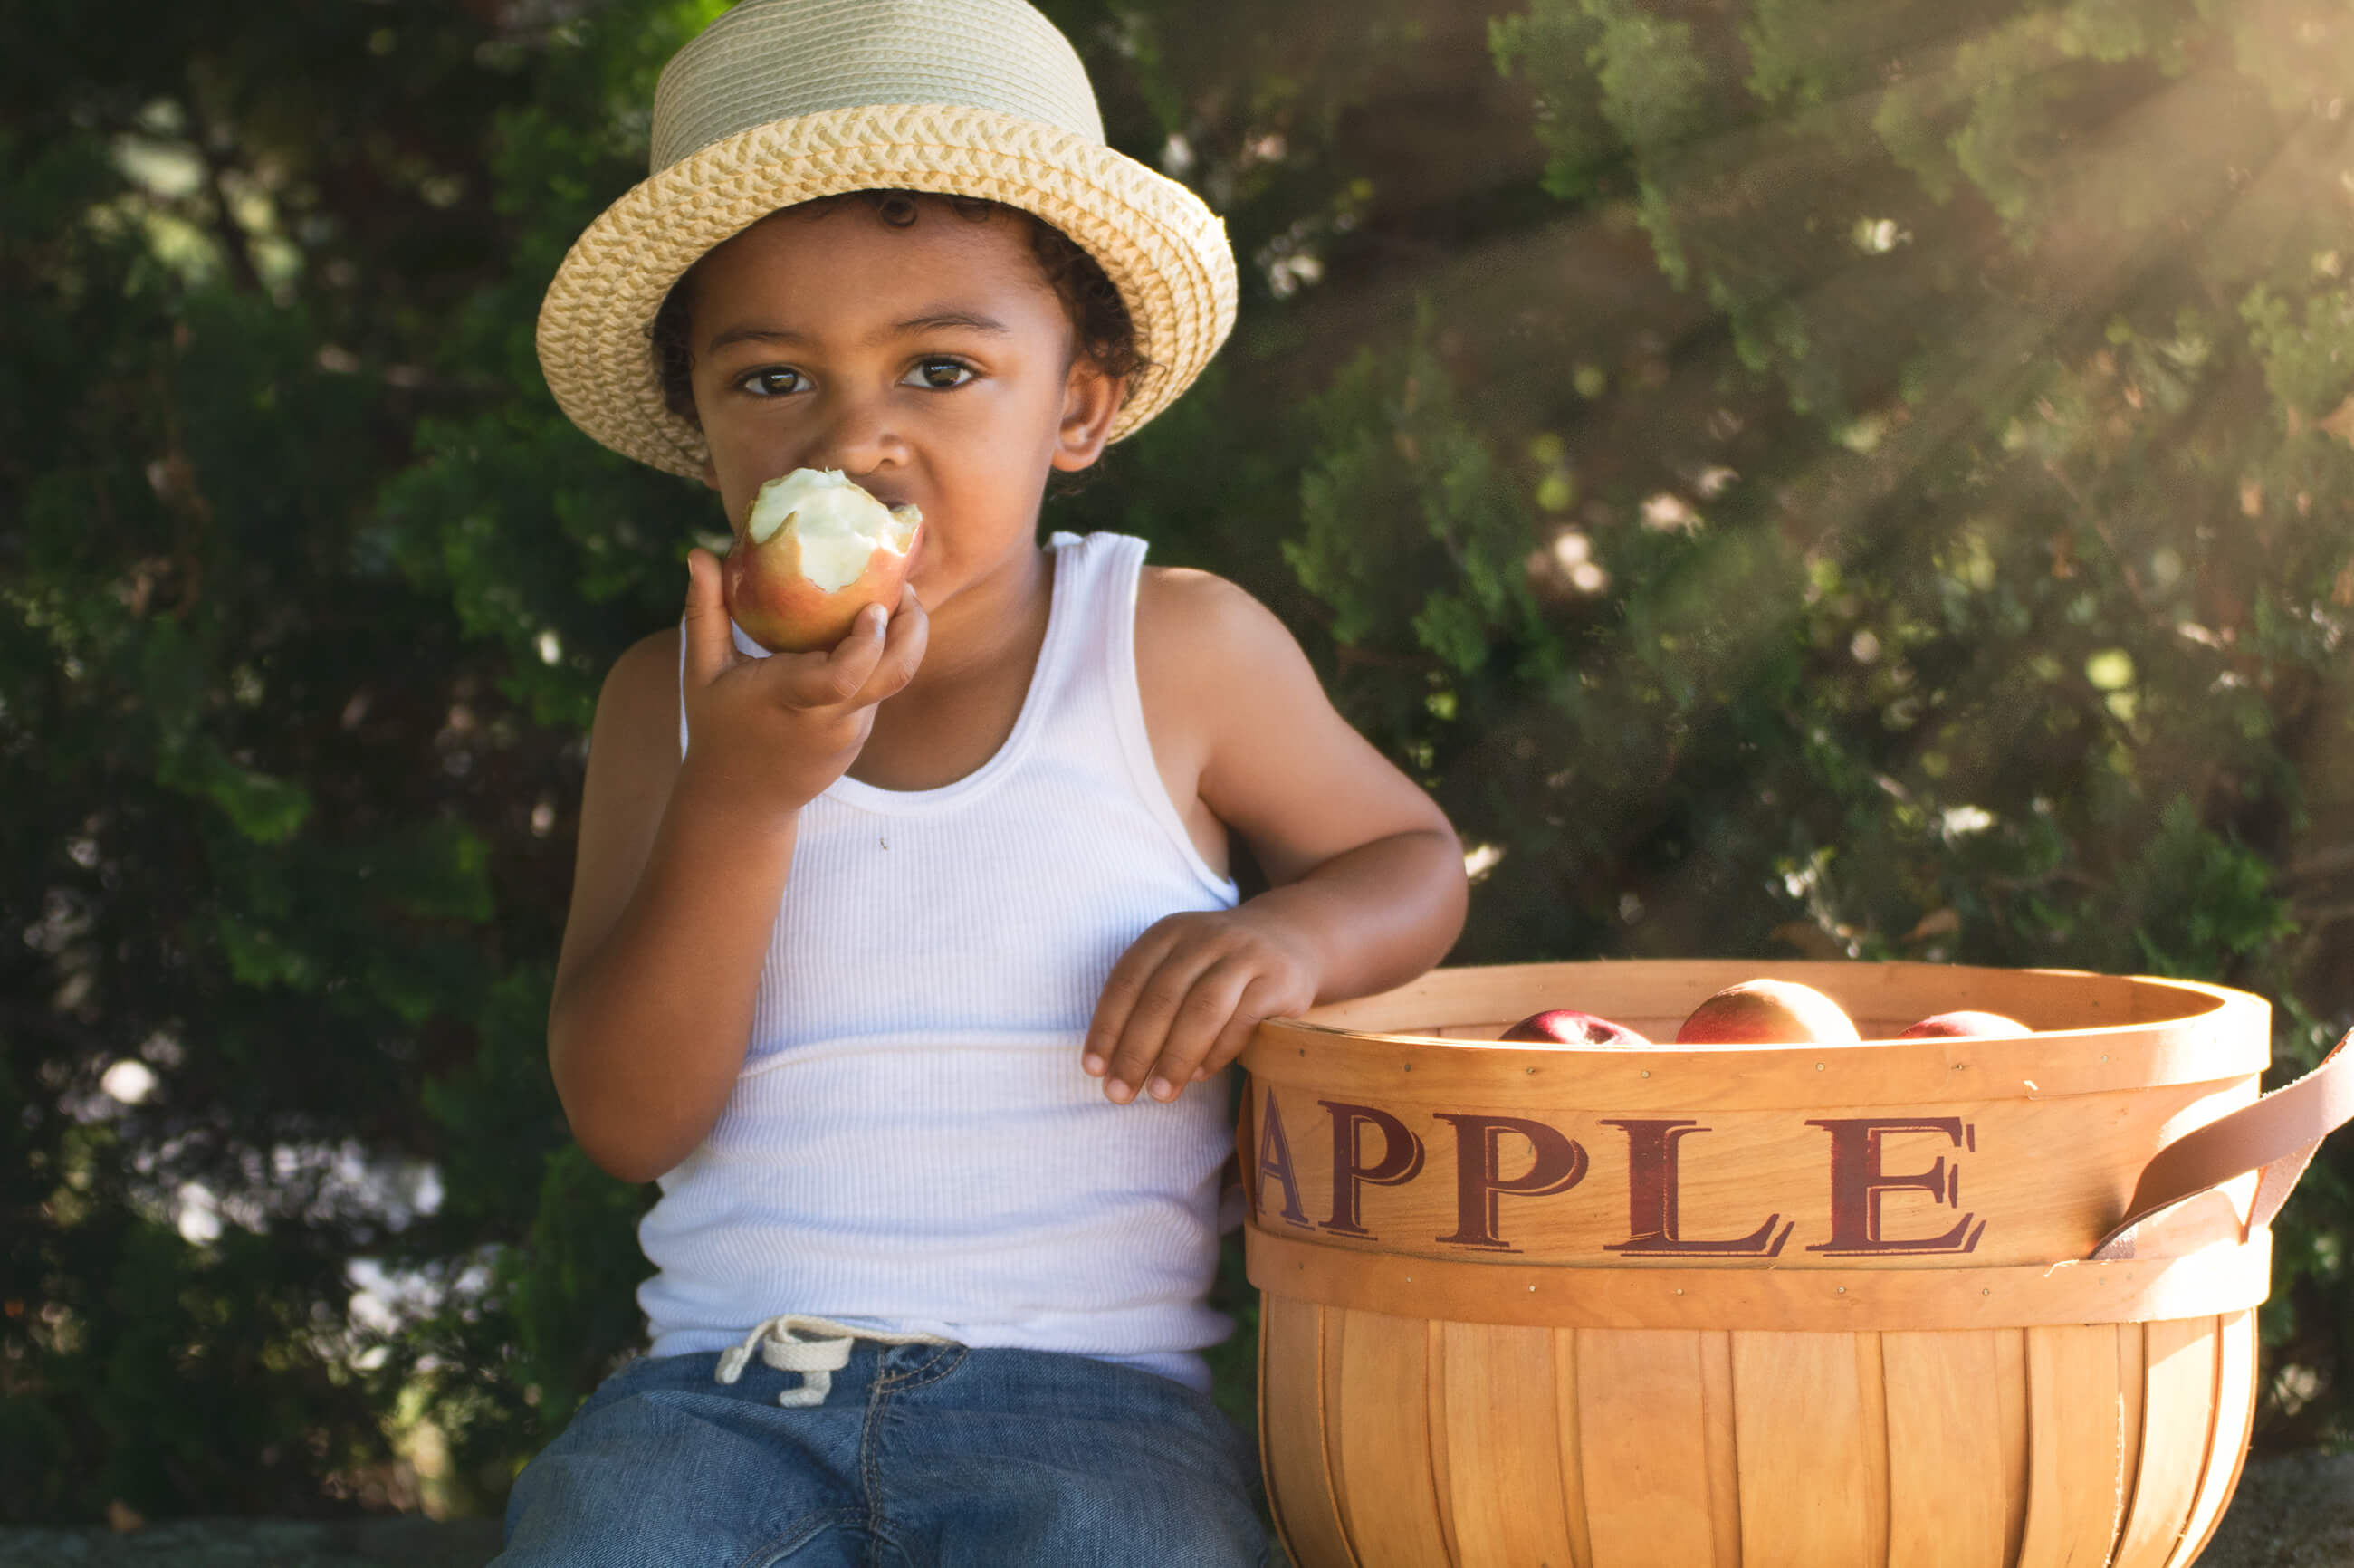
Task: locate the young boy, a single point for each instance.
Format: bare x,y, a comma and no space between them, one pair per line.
909,967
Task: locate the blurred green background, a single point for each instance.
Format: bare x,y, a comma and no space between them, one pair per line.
1793,478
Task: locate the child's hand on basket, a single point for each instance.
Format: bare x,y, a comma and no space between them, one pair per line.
776,732
1181,1002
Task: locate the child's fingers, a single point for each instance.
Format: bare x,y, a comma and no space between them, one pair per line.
819,680
904,638
875,658
710,639
1256,1004
1119,996
1177,1014
1202,1024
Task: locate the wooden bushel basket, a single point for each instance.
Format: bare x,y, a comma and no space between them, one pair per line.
1971,1303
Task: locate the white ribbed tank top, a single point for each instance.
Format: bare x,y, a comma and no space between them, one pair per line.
911,1145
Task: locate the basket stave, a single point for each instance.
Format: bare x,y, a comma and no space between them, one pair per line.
1407,1443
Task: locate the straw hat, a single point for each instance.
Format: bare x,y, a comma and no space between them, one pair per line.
781,101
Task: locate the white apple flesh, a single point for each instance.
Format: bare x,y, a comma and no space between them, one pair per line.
814,550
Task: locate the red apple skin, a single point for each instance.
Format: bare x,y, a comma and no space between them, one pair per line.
784,611
1767,1013
1948,1025
1566,1026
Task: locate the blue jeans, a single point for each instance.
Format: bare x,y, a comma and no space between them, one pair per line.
921,1457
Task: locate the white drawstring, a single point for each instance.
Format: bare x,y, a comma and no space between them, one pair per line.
816,1348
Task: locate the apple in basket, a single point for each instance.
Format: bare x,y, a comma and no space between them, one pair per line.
1566,1026
814,550
1767,1012
1948,1025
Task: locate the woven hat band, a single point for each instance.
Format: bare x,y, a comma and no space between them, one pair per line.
767,61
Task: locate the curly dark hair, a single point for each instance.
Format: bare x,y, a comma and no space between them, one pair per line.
1098,316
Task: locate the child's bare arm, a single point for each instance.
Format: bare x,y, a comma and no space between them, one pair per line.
681,866
1368,887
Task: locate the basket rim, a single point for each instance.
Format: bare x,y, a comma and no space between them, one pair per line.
2227,1035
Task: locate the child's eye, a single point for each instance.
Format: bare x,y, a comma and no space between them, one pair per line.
774,381
940,375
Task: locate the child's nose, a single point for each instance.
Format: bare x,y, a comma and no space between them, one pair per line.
859,437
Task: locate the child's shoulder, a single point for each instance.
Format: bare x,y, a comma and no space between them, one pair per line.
1213,662
1235,709
1201,619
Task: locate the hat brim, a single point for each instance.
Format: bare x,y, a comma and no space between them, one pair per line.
1162,248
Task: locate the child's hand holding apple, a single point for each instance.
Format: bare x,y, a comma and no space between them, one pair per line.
774,733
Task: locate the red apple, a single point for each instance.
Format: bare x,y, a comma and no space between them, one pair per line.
1767,1012
1563,1026
814,550
1942,1025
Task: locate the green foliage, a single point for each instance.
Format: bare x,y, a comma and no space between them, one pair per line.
2308,364
1406,526
284,765
1553,44
1789,477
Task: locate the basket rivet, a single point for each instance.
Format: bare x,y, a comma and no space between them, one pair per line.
1532,1290
1409,1066
1842,1290
1819,1066
2105,1058
1985,1292
1680,1290
1531,1072
1647,1072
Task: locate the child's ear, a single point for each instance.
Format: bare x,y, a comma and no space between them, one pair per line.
1091,403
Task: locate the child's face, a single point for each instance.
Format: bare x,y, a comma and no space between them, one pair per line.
932,364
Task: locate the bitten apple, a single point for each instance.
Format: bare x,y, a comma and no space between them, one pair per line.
1944,1025
814,550
1566,1026
1767,1012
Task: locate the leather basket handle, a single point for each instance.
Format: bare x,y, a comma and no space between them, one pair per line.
2277,1135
